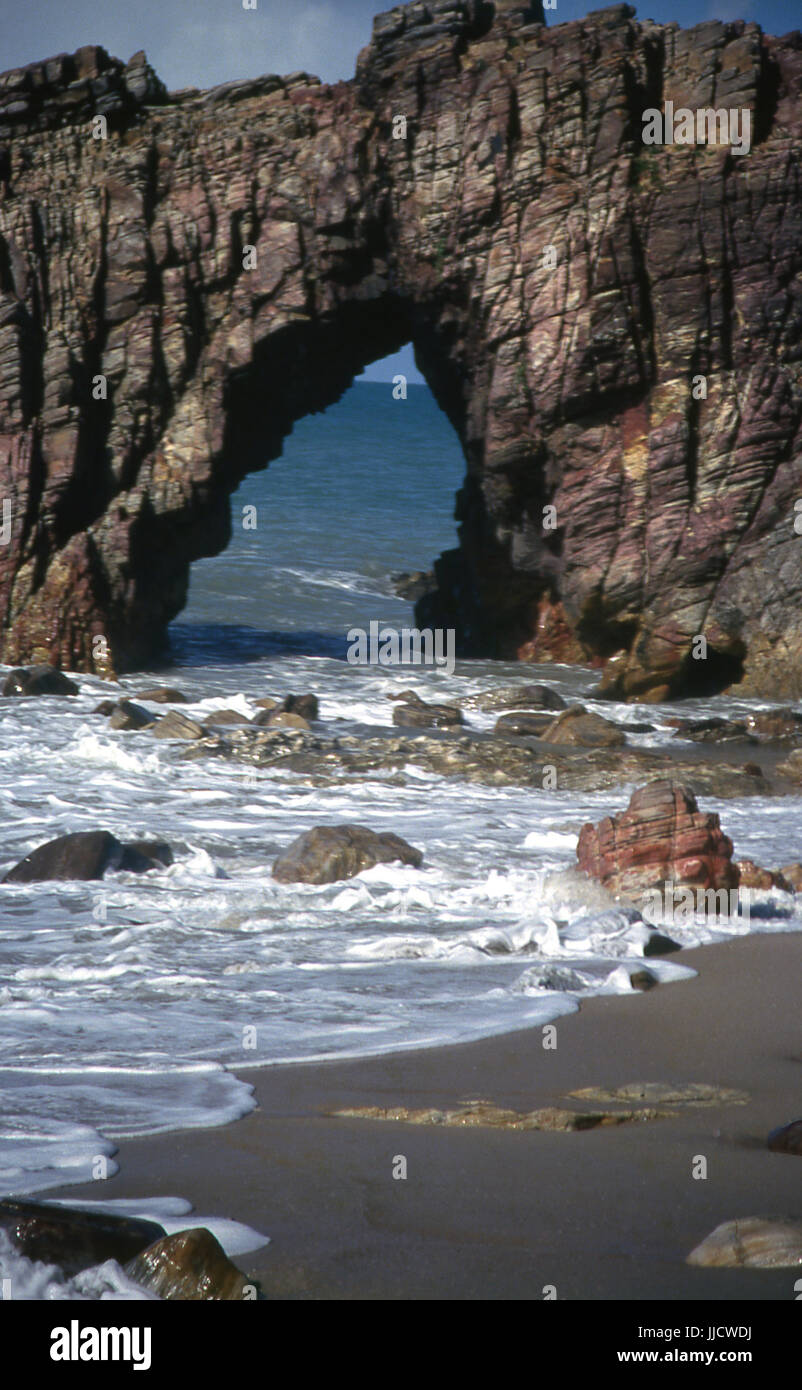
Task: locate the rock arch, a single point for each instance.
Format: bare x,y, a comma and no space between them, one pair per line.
567,378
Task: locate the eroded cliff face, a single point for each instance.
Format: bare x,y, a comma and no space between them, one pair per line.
567,373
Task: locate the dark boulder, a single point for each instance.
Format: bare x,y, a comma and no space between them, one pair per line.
304,705
157,851
39,680
86,855
73,1239
660,945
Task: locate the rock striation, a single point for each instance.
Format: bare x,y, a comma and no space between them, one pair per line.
661,838
175,295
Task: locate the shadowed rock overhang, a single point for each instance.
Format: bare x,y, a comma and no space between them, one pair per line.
564,285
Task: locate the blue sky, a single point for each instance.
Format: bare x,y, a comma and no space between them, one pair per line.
201,42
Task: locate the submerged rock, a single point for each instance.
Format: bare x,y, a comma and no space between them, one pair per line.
331,852
191,1264
74,1239
752,1242
684,1093
662,836
483,1114
87,854
643,979
39,680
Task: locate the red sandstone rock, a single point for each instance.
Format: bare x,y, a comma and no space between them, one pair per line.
570,387
661,837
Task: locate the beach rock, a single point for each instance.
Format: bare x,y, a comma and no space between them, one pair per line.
279,718
74,1239
662,836
483,1114
577,726
523,724
176,725
127,715
332,852
220,717
526,697
683,1093
39,680
792,873
188,1265
266,703
787,1139
752,876
164,695
106,707
643,979
473,758
87,854
412,712
659,945
752,1242
306,706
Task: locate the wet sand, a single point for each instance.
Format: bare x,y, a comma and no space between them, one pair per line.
607,1213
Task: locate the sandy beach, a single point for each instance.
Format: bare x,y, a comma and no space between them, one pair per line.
605,1213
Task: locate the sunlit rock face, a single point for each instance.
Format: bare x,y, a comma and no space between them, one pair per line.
612,328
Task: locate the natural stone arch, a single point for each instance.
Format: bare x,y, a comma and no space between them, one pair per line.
566,377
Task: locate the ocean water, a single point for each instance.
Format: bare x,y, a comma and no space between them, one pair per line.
139,1004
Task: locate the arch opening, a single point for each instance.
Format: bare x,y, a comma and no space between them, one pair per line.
359,493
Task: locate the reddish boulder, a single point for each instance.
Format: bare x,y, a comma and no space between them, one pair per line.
753,876
662,836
